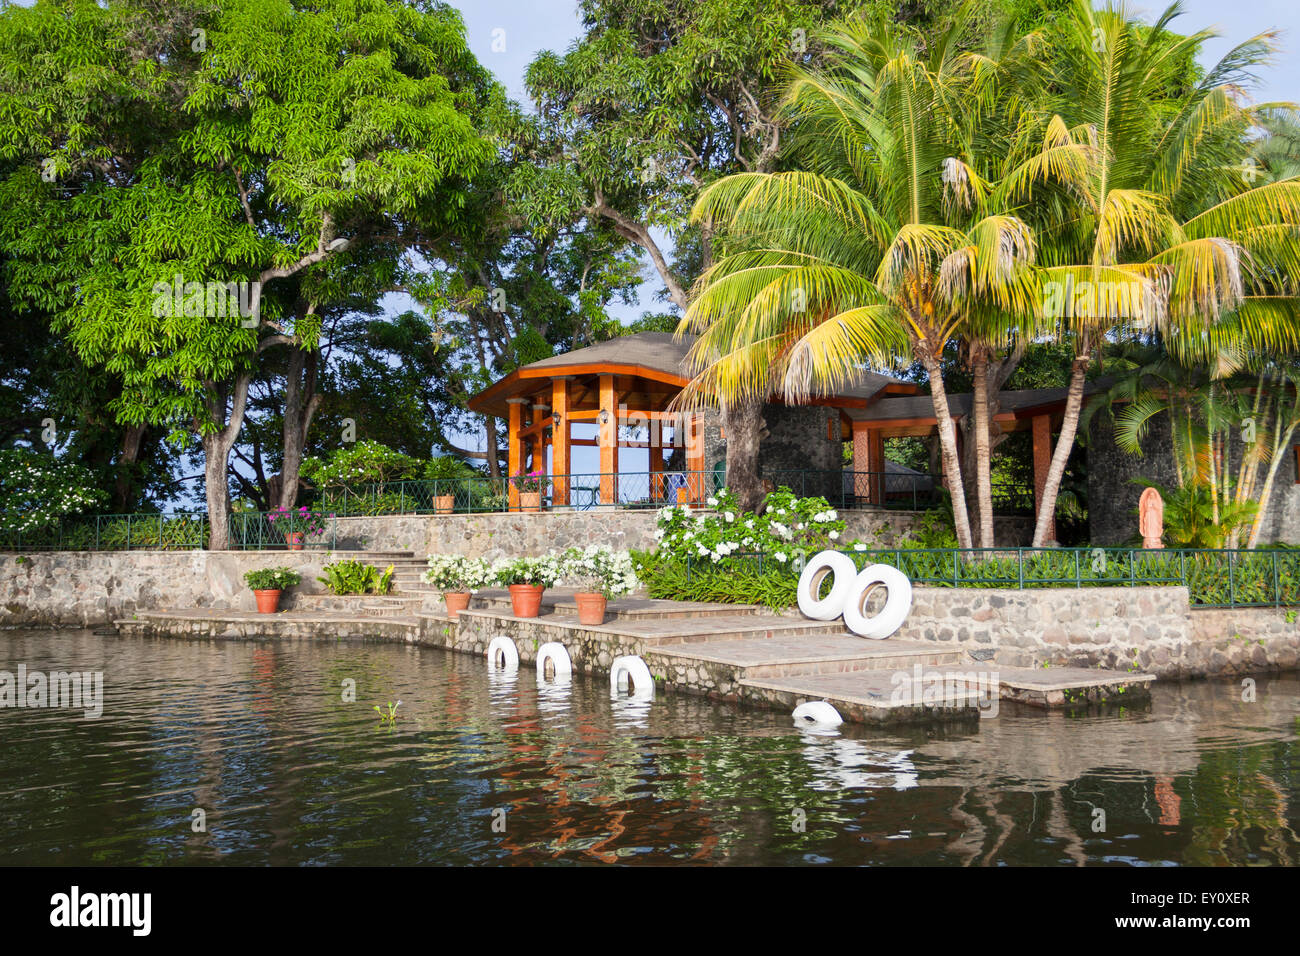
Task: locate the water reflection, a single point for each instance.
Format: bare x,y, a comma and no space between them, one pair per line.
849,764
262,737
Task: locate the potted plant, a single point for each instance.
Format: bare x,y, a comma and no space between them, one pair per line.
446,474
530,487
267,583
297,526
527,578
458,578
601,576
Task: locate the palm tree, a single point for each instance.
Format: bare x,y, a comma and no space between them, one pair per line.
1161,224
885,243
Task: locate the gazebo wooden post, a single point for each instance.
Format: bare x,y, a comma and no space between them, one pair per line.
695,458
1042,461
608,441
561,463
656,452
514,459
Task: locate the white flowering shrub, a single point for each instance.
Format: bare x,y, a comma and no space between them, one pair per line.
790,528
452,572
545,569
598,569
37,490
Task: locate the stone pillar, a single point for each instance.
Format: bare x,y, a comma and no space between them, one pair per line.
1042,462
608,422
561,461
868,464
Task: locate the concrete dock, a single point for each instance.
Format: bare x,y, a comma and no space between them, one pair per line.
744,654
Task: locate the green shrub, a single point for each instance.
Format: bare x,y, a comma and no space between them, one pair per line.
354,577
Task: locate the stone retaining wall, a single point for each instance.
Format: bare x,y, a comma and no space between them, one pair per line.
86,588
1153,629
498,534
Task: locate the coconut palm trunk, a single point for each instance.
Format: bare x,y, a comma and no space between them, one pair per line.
948,445
1061,453
980,416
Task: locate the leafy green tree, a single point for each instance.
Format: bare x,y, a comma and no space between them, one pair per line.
245,144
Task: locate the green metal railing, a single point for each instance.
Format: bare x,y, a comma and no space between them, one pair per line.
120,532
1222,578
843,489
176,531
475,495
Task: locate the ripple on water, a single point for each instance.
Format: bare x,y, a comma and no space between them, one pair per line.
259,736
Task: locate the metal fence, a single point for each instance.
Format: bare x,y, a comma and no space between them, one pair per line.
579,491
582,491
176,531
1222,578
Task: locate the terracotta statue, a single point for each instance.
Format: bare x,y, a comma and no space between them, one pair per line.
1151,519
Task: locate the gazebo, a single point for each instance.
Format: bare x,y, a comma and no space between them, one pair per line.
627,383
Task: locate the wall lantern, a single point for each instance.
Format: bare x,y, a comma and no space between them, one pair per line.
604,416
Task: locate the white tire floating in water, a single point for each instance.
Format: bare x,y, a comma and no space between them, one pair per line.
843,570
889,618
553,653
502,652
817,714
631,670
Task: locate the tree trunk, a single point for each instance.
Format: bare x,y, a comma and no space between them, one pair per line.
300,402
217,490
216,462
983,458
948,442
493,462
1064,445
1258,524
132,440
744,425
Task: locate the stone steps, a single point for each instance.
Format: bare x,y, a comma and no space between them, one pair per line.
378,605
960,686
813,654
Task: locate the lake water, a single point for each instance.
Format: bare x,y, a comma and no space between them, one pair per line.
484,768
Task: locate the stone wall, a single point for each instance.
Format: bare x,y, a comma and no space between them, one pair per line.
83,588
1113,496
496,534
1153,629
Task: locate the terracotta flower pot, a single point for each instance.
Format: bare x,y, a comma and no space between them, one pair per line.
444,504
294,540
530,501
457,601
268,602
591,608
526,599
682,497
